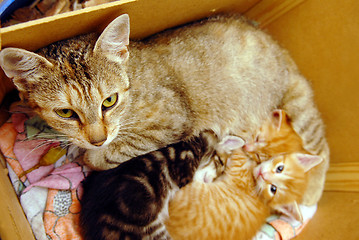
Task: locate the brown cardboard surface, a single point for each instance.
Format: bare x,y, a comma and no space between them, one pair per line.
343,177
13,223
35,34
147,17
266,11
323,38
337,218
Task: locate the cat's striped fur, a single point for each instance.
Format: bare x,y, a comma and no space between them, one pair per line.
131,200
219,73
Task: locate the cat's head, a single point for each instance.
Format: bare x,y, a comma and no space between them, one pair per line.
79,87
275,136
282,181
216,155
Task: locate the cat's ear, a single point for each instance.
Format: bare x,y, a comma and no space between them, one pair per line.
291,210
22,66
279,117
308,161
114,39
230,143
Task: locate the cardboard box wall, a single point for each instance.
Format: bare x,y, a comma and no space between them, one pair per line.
322,38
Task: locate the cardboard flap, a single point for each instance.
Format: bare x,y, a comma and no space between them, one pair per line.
147,17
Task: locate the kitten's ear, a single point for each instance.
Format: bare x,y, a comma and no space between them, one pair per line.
230,143
114,39
20,64
279,117
291,210
308,161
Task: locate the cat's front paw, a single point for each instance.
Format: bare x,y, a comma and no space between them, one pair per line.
205,175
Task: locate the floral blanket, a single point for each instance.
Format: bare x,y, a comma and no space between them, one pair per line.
46,173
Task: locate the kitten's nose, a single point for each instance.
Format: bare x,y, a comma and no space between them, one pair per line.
248,147
100,143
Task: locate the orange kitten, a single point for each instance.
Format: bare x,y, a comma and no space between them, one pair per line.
236,206
275,136
282,180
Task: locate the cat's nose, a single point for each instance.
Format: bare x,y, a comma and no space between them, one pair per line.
248,147
99,143
96,133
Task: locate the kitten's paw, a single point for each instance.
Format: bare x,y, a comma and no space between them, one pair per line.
205,175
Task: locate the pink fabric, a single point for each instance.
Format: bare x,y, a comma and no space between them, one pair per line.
66,177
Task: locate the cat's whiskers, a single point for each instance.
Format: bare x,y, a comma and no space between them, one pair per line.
66,144
47,139
43,144
54,137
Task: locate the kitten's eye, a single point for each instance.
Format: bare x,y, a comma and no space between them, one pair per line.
110,101
279,169
66,113
273,189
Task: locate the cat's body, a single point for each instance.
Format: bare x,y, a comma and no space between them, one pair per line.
121,99
226,209
131,200
237,205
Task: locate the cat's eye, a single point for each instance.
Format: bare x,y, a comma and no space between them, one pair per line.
279,169
260,141
273,189
109,102
66,113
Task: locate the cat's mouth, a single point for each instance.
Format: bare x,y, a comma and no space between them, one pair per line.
100,144
259,174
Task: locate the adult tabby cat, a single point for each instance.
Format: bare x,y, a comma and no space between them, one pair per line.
120,99
131,200
237,205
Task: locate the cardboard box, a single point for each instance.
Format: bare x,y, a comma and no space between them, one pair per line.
323,40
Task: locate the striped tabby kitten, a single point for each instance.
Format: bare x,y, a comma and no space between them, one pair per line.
120,99
131,200
237,205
